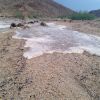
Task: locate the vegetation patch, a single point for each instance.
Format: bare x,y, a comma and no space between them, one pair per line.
19,14
82,16
62,17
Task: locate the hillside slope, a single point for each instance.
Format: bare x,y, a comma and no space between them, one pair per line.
96,12
47,8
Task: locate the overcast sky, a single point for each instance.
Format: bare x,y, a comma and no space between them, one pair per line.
81,5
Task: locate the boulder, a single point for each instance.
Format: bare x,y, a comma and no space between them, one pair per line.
70,20
36,21
13,25
43,24
31,22
26,27
20,25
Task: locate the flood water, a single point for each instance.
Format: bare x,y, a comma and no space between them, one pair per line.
56,38
4,26
5,23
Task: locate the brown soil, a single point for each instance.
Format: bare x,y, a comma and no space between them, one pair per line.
54,76
88,27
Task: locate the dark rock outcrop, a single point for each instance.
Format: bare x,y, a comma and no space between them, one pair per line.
95,12
13,25
43,24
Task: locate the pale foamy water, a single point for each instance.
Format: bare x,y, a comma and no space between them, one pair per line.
5,23
56,38
4,26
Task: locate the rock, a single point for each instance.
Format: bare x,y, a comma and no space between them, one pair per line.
43,24
20,25
36,21
31,22
13,25
65,20
26,26
70,20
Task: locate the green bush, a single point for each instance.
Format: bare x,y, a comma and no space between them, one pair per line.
62,17
82,16
19,15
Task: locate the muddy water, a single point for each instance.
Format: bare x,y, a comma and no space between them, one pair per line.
5,23
56,38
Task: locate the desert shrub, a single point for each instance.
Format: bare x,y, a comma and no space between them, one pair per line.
32,16
62,17
19,15
82,16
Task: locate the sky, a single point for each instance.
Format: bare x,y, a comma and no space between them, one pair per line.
81,5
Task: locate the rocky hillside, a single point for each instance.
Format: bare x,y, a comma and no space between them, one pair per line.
96,12
33,8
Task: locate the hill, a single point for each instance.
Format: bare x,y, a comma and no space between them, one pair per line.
33,8
96,12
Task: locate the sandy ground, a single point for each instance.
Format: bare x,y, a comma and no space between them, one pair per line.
50,76
88,27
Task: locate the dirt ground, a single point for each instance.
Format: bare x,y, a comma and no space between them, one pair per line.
54,76
88,27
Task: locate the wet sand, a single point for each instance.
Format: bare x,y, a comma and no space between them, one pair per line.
54,76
